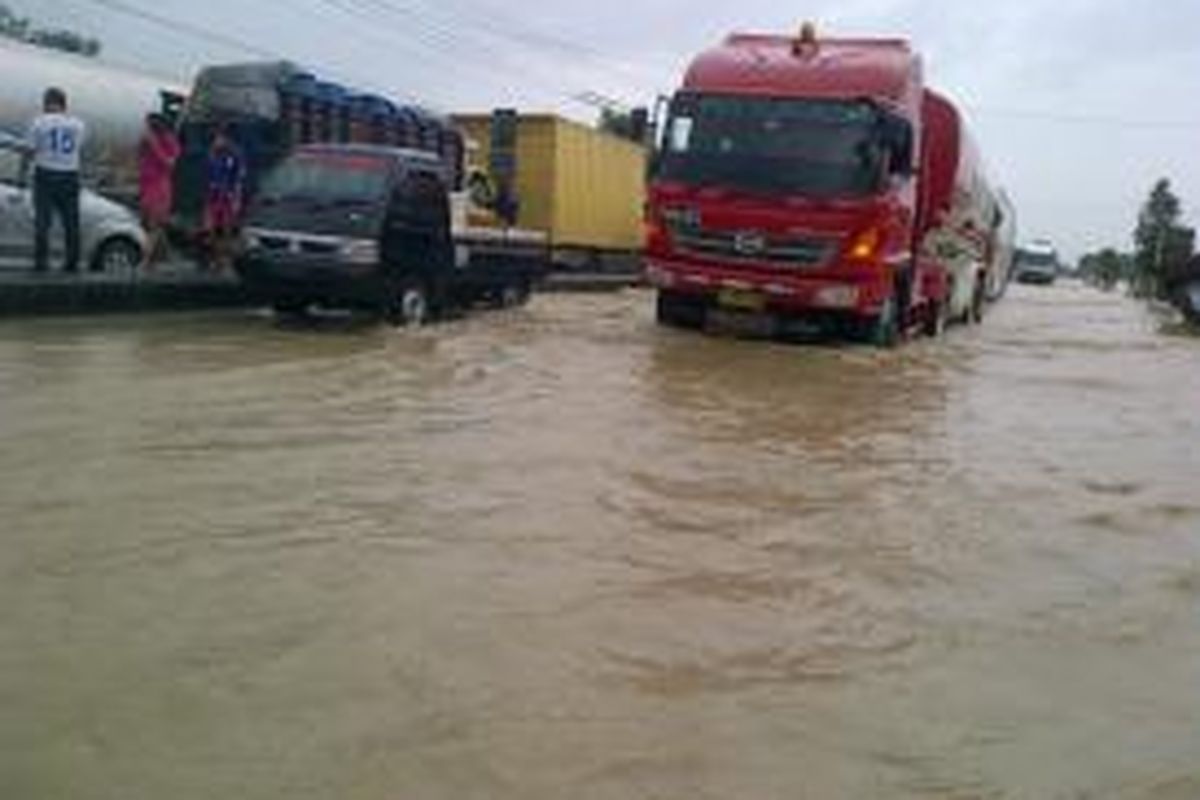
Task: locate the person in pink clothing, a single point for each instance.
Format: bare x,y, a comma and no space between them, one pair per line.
157,154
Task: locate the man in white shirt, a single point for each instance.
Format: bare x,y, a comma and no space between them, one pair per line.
55,141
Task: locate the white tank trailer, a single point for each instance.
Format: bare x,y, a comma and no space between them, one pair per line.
113,102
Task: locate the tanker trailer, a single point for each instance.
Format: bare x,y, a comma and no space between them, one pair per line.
112,102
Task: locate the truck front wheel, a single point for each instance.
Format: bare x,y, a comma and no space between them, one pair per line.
978,301
678,310
409,305
936,317
884,330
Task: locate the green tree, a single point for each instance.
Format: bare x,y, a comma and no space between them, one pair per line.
1106,268
630,125
22,30
66,41
11,25
618,123
1163,245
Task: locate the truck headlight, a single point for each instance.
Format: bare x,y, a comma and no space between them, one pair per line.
839,297
251,239
360,251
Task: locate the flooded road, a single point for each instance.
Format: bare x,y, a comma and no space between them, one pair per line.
562,553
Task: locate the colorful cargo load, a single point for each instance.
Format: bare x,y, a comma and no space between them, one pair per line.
274,107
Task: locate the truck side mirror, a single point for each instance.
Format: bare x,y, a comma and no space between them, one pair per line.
653,162
898,139
639,125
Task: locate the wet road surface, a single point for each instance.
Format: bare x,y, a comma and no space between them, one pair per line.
561,553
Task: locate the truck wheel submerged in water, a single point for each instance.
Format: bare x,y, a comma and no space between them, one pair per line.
678,310
884,330
937,315
511,295
978,301
408,305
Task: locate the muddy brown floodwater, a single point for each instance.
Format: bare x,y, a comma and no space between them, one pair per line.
560,553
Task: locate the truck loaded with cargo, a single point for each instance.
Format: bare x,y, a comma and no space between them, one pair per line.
370,227
810,185
584,188
271,108
351,200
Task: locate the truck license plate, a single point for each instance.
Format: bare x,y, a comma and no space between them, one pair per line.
742,323
742,300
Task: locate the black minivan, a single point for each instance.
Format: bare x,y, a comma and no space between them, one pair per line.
366,227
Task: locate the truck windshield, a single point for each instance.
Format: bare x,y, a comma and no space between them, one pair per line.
799,147
328,178
1039,259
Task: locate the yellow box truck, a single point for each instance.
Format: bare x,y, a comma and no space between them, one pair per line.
583,187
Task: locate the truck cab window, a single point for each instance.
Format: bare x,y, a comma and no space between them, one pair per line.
807,147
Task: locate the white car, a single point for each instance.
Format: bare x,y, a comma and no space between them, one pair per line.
111,238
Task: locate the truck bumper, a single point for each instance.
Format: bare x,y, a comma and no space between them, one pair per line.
857,294
332,284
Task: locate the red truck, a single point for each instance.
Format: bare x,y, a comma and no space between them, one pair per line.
805,185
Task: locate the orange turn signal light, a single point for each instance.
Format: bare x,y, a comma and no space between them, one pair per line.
866,245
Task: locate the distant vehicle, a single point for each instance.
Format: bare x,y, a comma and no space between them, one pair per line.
1038,263
818,185
372,227
112,240
113,102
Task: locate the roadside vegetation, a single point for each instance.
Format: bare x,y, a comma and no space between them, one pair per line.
22,29
1163,260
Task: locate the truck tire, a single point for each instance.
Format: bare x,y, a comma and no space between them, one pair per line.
409,305
884,330
978,302
936,318
512,295
678,310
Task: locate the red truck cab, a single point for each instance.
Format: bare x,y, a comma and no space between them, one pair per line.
786,188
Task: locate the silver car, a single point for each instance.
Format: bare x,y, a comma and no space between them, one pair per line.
111,238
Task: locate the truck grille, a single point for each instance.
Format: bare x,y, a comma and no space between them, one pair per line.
274,242
309,247
752,246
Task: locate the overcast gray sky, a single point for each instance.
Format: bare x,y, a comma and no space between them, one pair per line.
1079,105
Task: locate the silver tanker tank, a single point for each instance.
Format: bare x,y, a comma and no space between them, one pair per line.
112,101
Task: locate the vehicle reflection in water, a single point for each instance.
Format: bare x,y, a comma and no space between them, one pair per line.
562,552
